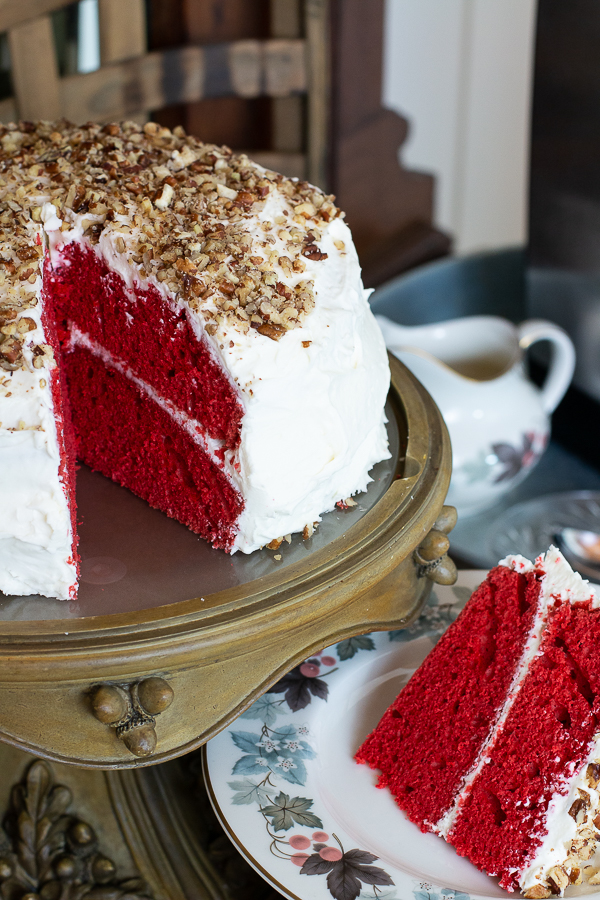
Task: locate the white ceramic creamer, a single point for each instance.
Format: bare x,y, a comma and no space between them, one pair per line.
499,421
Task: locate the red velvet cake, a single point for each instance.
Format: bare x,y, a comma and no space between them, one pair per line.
186,322
493,743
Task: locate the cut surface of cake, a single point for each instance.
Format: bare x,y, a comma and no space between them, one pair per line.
494,743
202,337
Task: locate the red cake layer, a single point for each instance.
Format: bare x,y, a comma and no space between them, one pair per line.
141,329
434,731
545,738
129,438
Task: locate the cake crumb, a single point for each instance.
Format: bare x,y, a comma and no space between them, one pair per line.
537,892
277,556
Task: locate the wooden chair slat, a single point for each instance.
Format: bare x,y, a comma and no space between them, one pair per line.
285,68
16,12
123,36
8,111
182,75
122,29
286,18
245,64
291,164
34,70
317,16
287,113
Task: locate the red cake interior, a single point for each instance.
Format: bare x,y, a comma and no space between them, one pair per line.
548,731
129,438
116,428
432,734
142,330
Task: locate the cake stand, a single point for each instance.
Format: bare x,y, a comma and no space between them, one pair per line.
171,640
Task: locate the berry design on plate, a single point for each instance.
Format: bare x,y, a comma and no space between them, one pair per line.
346,871
281,753
302,684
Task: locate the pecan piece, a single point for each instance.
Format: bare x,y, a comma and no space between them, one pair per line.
537,892
275,332
592,775
311,251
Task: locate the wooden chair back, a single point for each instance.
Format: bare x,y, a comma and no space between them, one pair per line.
131,81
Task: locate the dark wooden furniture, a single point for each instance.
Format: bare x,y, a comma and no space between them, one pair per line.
389,208
337,135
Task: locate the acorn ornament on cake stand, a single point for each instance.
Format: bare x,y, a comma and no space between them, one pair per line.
131,710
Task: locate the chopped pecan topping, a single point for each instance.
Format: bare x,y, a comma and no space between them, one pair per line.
578,808
558,879
190,216
537,892
592,775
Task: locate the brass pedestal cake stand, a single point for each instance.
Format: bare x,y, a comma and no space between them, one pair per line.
171,640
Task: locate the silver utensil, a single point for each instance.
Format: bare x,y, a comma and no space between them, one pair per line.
582,548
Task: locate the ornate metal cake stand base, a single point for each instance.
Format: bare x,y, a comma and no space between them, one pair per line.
148,834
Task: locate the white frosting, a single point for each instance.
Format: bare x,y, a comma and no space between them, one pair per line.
518,563
35,527
314,424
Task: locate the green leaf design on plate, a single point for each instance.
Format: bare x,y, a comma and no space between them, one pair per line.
286,811
462,594
350,647
246,741
266,709
248,791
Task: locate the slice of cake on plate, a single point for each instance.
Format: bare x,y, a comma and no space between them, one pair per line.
494,743
213,338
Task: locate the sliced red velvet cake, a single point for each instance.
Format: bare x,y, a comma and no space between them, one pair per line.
186,322
494,743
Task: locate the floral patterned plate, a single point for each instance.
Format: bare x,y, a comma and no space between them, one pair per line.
284,784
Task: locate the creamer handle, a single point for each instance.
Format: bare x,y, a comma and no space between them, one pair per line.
562,363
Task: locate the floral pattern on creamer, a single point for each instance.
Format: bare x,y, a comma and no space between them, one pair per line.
503,461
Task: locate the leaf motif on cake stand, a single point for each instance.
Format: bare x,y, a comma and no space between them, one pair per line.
46,852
